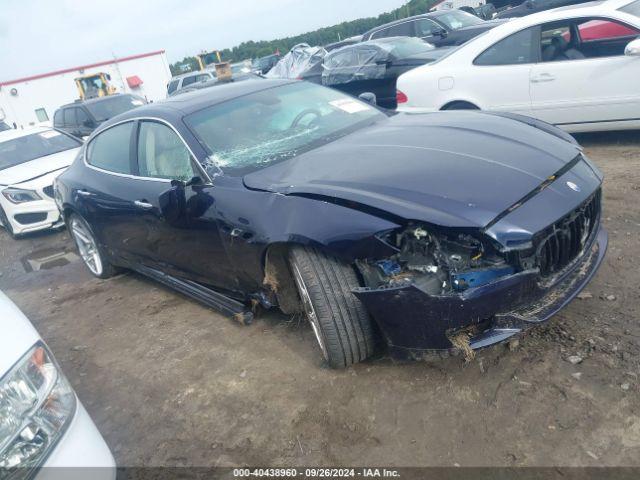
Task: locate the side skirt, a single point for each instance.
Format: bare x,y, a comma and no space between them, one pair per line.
216,300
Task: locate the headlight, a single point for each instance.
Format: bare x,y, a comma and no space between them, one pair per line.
36,405
18,195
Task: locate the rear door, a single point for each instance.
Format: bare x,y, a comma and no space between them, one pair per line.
111,188
500,77
591,80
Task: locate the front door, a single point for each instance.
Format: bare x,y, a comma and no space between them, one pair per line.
189,245
584,76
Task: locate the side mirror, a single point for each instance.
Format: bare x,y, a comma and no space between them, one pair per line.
172,202
633,48
368,97
439,32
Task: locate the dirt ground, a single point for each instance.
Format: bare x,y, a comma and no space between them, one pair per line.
170,382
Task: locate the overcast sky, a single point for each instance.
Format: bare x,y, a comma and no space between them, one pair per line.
38,36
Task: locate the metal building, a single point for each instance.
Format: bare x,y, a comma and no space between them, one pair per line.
32,100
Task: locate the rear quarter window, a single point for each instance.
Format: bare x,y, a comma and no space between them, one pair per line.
110,150
517,48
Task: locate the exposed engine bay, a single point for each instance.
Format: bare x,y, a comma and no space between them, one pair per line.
438,264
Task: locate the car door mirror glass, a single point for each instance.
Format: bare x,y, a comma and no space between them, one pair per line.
633,48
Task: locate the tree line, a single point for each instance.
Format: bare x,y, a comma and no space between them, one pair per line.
322,36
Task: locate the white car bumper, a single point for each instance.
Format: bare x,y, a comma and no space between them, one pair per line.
35,215
81,453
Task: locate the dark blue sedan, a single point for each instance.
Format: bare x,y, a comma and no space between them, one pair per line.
423,233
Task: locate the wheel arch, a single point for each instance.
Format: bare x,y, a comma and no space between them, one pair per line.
470,105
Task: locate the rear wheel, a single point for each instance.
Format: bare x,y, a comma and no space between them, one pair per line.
91,253
341,324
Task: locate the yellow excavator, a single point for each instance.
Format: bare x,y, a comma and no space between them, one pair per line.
207,59
94,85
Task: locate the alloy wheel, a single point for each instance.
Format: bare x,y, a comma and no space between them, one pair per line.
310,311
87,246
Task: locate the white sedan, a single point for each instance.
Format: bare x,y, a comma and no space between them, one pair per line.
30,160
575,67
42,422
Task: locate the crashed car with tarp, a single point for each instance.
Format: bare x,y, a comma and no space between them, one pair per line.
303,62
374,66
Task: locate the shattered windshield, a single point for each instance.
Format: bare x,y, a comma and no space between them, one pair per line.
251,132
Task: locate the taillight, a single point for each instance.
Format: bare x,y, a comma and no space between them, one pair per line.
401,97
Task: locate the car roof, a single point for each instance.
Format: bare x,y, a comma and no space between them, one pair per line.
190,74
591,9
90,101
17,133
436,14
196,100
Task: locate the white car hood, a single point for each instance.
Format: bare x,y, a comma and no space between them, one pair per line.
38,167
17,334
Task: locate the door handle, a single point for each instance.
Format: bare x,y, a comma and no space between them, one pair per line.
143,204
543,77
84,193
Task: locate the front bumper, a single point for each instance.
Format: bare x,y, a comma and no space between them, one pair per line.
32,216
415,323
81,453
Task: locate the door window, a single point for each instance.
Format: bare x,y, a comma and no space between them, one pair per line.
110,150
82,117
401,30
426,27
604,30
584,38
57,118
173,85
513,50
41,115
70,117
162,154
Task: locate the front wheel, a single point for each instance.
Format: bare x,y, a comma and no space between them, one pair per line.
91,253
341,324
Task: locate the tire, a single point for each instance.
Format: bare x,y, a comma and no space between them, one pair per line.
88,247
7,226
460,106
341,324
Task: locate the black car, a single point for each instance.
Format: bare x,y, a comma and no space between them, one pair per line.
374,66
534,6
240,77
420,232
264,64
82,118
441,28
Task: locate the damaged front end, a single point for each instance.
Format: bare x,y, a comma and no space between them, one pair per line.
445,290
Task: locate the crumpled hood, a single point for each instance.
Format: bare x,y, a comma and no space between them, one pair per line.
451,169
38,167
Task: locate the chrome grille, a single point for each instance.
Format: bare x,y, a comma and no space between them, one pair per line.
563,241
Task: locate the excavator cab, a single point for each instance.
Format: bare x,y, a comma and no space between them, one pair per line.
208,59
94,85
